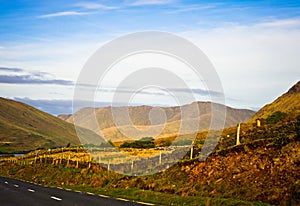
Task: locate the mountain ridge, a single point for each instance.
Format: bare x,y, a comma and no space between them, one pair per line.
139,115
288,103
24,128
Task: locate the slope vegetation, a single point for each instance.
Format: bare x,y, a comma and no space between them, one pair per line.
139,116
24,128
288,103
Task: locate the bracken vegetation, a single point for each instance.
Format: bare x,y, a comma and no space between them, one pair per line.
276,117
264,168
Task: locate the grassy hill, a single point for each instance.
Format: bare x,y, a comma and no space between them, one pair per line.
288,103
24,128
263,169
139,115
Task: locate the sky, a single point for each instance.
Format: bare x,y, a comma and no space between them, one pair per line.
253,45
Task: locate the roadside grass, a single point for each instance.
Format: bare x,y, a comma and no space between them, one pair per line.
162,198
261,169
85,184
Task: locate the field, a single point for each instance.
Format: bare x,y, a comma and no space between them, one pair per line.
79,173
263,169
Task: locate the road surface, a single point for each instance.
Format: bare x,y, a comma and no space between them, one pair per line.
16,192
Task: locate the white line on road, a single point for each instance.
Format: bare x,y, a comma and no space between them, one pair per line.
6,183
16,185
122,199
30,190
55,198
104,196
145,203
89,193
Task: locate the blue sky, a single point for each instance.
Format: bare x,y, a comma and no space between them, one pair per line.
254,45
33,20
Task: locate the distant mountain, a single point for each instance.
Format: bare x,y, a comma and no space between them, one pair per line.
24,128
288,103
139,115
64,116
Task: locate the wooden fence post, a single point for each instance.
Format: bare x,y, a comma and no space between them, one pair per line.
160,157
238,134
68,161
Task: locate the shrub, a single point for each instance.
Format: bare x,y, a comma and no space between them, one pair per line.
125,145
276,117
166,143
183,142
143,143
281,140
111,143
145,139
297,127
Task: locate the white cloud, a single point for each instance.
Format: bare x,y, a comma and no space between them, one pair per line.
61,57
151,2
92,5
281,23
63,13
190,8
256,63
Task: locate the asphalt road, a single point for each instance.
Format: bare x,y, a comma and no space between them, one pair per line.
16,192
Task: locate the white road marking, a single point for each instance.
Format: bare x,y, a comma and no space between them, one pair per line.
55,198
59,199
145,203
122,199
104,196
89,193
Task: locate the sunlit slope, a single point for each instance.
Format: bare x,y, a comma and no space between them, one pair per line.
24,128
169,124
288,103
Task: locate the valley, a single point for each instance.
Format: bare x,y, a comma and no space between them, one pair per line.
260,169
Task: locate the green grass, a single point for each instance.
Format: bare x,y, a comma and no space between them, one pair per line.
82,180
56,176
235,175
27,128
287,103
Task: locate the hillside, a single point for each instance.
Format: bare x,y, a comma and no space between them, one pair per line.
264,168
139,116
288,103
24,128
